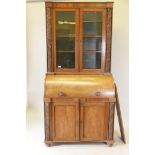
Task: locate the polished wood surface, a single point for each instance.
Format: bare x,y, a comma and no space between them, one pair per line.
94,120
65,115
67,5
79,86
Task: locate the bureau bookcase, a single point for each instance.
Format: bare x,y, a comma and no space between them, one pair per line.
80,93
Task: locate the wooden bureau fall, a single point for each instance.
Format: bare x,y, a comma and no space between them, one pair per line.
80,94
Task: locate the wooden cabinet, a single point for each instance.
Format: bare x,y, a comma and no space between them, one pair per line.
79,120
79,96
79,108
73,119
79,37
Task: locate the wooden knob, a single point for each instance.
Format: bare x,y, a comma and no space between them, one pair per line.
98,93
61,94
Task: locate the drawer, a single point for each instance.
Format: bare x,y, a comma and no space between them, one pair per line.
80,93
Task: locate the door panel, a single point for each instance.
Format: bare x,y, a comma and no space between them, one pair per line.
65,116
94,121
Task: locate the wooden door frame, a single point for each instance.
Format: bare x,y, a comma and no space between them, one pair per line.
104,21
76,69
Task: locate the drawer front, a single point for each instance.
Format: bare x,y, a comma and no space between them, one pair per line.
79,93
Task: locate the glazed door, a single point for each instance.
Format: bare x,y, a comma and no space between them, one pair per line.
65,120
65,39
94,114
92,40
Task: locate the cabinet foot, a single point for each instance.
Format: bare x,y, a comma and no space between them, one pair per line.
110,143
48,143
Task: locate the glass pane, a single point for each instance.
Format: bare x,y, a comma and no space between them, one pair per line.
92,23
92,16
92,44
65,43
65,60
92,28
92,40
92,60
65,23
65,39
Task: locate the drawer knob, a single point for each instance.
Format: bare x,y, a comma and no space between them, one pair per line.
98,93
61,94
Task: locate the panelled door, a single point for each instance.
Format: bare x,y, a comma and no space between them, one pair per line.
65,120
94,115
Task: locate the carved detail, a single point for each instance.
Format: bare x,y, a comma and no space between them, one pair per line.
111,120
47,121
49,39
109,38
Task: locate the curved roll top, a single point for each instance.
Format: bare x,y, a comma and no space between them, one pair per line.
79,86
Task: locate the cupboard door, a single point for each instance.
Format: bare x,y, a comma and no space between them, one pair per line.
94,120
65,120
65,36
92,40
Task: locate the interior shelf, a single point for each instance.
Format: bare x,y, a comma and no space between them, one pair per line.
91,36
62,51
92,51
65,35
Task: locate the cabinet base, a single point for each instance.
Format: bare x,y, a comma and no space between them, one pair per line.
50,143
110,143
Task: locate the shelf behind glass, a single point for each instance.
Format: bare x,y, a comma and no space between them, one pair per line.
65,43
65,60
92,60
92,16
65,35
91,43
65,22
92,28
